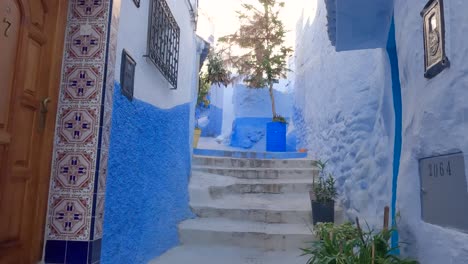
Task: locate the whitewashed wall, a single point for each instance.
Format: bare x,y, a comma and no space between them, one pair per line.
150,84
435,121
344,114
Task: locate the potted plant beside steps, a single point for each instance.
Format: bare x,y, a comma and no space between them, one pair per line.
323,196
263,59
276,134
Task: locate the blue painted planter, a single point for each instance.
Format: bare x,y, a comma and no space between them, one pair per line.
276,137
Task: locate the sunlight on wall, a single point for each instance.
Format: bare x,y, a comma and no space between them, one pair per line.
218,17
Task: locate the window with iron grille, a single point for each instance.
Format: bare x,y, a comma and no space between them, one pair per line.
163,40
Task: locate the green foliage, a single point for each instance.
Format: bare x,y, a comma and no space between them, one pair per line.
203,91
260,38
347,244
215,72
280,119
324,189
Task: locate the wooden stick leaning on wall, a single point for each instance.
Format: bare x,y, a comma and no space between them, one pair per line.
386,217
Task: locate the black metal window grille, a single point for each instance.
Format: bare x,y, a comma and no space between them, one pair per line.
164,40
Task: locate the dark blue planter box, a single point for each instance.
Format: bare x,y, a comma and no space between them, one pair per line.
276,137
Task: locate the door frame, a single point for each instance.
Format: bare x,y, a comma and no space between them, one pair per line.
56,50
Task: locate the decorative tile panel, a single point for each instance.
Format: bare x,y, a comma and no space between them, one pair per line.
69,217
74,171
86,41
78,126
79,168
89,9
82,83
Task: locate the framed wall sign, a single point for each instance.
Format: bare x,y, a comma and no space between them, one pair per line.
444,191
435,59
137,3
127,75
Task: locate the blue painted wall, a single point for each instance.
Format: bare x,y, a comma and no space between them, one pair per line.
147,184
250,133
214,123
397,104
247,131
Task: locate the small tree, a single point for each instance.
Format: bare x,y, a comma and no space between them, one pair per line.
215,73
261,38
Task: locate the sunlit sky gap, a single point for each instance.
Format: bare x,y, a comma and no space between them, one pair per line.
219,18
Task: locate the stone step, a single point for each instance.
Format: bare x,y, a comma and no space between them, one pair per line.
228,255
249,154
263,186
219,186
226,162
260,173
266,208
225,232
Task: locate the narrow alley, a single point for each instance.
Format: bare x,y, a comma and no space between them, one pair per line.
234,132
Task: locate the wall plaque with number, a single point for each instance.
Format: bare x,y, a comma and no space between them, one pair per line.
444,191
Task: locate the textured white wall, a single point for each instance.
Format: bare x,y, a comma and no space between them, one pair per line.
435,121
150,84
344,114
257,103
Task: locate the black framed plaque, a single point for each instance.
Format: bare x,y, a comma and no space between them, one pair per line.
137,3
435,59
127,75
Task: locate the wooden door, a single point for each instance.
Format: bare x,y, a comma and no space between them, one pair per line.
31,48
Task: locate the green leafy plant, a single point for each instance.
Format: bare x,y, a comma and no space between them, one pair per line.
203,91
324,188
260,40
214,73
280,119
217,72
347,244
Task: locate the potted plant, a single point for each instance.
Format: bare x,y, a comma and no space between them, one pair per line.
260,57
276,134
214,73
323,196
348,243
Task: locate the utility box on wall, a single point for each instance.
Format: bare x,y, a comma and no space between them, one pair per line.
444,191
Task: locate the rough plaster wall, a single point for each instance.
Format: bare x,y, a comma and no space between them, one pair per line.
344,114
147,184
210,119
256,102
435,121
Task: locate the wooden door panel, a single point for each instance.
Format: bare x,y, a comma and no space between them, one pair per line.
34,36
9,13
25,138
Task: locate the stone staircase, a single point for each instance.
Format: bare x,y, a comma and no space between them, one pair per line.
257,209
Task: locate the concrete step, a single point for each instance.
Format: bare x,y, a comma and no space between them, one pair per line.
219,186
225,232
260,173
226,162
228,255
266,208
263,186
249,154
